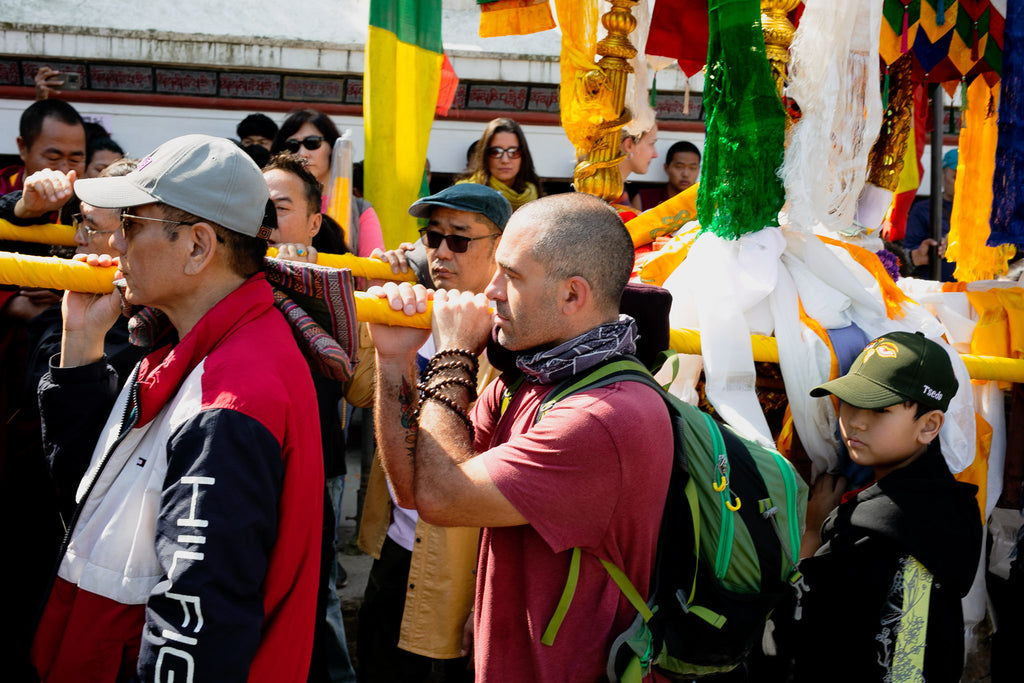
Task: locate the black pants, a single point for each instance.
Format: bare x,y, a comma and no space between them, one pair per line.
380,620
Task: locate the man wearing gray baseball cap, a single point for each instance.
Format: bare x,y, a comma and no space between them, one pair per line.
193,551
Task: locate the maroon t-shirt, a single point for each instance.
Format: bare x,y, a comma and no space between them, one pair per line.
592,473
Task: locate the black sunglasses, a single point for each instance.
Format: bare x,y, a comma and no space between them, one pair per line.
497,152
456,243
312,142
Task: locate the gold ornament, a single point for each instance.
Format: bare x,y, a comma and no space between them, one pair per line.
778,35
598,173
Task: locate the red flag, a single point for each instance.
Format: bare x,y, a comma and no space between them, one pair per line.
449,84
679,29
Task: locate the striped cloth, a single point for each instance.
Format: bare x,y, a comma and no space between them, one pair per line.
317,301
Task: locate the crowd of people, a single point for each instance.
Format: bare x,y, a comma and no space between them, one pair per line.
177,459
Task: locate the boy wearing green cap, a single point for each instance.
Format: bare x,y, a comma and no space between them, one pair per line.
887,569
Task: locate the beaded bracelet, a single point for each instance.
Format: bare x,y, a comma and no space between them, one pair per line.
469,385
433,369
456,352
465,353
428,394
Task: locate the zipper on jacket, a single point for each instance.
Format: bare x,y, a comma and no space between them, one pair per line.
129,418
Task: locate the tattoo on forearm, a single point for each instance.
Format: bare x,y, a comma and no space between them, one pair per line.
408,404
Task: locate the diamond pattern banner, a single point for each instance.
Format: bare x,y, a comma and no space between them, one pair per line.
949,39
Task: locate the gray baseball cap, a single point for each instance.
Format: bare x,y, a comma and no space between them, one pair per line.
207,176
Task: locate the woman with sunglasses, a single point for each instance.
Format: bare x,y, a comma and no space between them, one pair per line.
502,160
310,134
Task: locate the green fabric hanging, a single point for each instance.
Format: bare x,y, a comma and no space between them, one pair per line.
740,191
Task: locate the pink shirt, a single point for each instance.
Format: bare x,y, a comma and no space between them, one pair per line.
592,473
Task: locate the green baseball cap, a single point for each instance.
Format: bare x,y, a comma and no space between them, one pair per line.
469,197
896,367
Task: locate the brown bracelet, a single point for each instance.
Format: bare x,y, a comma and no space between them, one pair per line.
433,369
474,362
456,352
469,385
428,393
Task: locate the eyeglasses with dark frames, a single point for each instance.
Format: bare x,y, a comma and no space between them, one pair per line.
81,225
456,243
311,143
498,152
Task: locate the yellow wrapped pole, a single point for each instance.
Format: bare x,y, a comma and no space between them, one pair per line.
765,350
49,233
57,273
64,235
50,272
370,268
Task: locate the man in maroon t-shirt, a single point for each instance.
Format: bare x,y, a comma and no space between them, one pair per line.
682,166
593,473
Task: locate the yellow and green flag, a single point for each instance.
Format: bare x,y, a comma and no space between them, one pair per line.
403,75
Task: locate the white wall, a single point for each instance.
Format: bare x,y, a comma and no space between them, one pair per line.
140,129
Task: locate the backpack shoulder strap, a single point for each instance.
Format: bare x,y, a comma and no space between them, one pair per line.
618,369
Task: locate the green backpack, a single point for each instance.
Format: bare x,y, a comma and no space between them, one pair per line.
727,549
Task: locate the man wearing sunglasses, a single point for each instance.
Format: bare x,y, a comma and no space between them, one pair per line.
420,592
193,553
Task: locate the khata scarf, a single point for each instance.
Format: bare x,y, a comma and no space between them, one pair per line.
516,199
746,124
580,353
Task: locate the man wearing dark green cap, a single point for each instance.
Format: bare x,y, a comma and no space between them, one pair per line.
887,569
420,591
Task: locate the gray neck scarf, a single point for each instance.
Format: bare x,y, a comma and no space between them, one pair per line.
580,353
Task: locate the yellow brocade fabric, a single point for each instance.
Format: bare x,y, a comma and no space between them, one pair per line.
972,206
516,199
669,216
580,111
515,18
977,472
655,267
991,333
1000,327
1013,303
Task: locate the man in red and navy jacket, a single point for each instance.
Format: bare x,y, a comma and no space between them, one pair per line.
194,551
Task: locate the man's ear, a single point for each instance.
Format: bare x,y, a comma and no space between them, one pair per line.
574,294
22,148
318,221
929,426
201,244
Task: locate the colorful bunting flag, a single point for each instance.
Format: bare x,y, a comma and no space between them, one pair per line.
950,39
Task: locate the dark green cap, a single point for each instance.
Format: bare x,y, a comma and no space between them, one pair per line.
896,367
466,197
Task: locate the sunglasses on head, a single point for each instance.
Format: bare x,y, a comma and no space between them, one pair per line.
312,142
456,243
498,152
